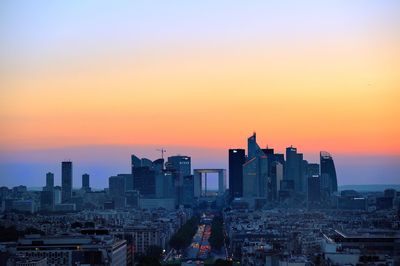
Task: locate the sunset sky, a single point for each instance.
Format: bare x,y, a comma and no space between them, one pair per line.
198,76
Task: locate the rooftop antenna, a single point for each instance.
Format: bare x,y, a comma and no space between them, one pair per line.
162,152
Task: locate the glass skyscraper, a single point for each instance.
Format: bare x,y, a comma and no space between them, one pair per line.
328,171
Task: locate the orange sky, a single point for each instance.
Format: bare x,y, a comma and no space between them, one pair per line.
336,91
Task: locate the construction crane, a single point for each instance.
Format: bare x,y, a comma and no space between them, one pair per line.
162,152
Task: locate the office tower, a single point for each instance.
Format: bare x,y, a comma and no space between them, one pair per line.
188,191
116,186
135,161
49,181
160,182
253,149
303,175
66,182
313,169
237,158
255,180
180,166
314,192
144,181
47,195
275,177
147,176
328,172
85,182
146,163
128,181
47,200
168,184
293,167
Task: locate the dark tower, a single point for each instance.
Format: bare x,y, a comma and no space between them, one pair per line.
237,158
314,192
328,171
49,181
85,182
293,167
66,182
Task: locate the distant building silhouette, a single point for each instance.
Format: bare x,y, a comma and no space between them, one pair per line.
49,181
188,191
237,158
179,166
144,176
66,182
294,168
47,195
86,182
313,169
253,149
144,181
275,176
255,177
116,185
328,173
314,191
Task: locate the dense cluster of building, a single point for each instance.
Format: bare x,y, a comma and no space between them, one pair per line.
279,210
264,177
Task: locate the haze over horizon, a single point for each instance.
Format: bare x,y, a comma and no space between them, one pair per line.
96,81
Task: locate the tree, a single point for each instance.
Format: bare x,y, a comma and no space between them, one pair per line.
148,261
217,233
183,237
221,262
154,251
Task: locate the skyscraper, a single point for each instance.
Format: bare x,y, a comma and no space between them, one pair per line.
188,190
180,166
85,182
144,181
313,169
47,195
255,180
314,191
275,176
293,167
147,177
328,171
253,149
66,182
49,181
237,158
116,185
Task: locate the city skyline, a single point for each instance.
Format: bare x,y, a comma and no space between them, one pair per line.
369,169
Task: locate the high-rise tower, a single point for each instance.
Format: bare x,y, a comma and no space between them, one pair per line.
66,182
328,173
85,182
237,158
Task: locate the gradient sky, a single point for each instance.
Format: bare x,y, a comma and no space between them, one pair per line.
200,75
